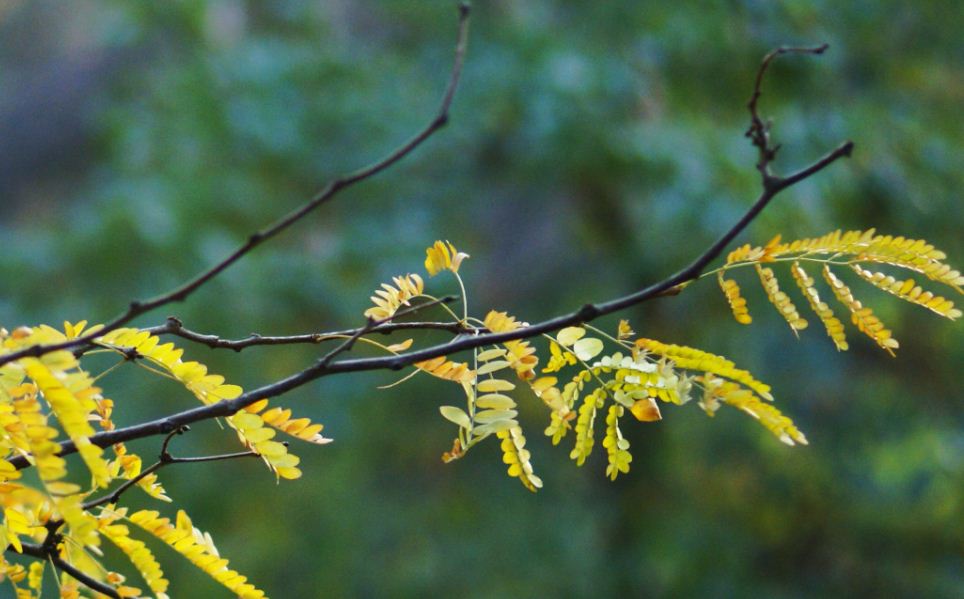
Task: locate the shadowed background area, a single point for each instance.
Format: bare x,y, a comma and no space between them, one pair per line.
593,148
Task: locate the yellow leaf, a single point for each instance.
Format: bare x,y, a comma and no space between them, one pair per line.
456,416
587,348
494,385
646,410
399,347
443,256
570,335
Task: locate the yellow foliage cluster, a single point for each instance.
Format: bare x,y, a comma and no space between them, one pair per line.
517,457
781,300
197,547
390,298
42,397
853,249
830,322
864,318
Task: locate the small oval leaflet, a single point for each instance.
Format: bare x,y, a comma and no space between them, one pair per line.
489,416
492,367
588,348
495,401
456,415
492,385
570,335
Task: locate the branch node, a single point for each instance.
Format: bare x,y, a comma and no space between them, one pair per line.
167,426
588,312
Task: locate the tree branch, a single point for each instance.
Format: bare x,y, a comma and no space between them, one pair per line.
41,553
174,326
585,314
215,342
772,185
139,307
165,458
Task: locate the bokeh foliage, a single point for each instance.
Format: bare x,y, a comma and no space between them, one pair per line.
594,147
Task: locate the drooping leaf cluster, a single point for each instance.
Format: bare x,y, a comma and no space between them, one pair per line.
612,374
47,398
858,251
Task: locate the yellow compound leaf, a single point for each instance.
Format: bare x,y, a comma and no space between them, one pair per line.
830,322
584,426
280,419
864,318
442,255
698,360
69,395
735,299
14,525
197,547
208,388
139,555
866,246
909,291
517,457
40,439
253,434
389,299
617,447
734,395
780,300
750,254
443,368
35,575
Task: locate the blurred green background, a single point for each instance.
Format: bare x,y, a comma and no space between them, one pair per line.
594,147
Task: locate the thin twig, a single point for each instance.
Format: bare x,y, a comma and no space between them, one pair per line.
371,325
114,496
39,552
164,459
255,339
174,326
213,458
139,307
759,132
